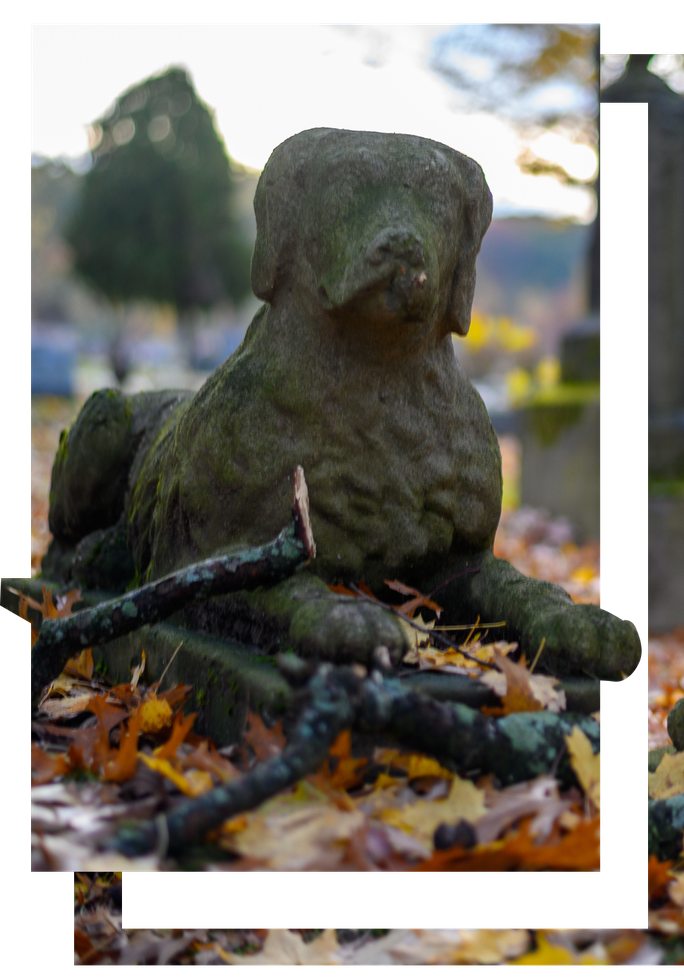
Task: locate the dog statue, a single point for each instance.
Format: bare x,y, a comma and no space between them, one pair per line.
365,260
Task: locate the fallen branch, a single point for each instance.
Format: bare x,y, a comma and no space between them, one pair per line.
514,748
263,565
318,726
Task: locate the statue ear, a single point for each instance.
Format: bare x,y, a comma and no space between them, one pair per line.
264,257
476,216
277,208
461,301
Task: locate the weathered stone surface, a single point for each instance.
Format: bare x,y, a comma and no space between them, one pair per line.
365,258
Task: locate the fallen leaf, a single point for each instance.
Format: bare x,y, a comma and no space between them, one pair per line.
286,948
45,767
80,666
551,954
586,765
464,802
408,608
266,742
538,798
179,732
668,779
122,763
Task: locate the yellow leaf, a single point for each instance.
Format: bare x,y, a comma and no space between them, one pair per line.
155,714
464,802
668,779
550,954
285,948
164,767
586,765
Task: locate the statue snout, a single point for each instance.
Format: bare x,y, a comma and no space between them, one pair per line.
397,246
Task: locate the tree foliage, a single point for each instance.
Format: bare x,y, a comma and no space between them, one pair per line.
155,219
543,78
538,76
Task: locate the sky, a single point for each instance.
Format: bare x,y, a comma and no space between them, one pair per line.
267,82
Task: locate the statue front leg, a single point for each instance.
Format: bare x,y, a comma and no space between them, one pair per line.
324,626
577,638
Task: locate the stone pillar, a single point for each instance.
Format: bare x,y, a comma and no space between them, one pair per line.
665,335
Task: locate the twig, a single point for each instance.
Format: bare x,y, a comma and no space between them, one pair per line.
169,663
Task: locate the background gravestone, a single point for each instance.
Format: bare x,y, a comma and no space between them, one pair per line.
665,335
54,350
560,436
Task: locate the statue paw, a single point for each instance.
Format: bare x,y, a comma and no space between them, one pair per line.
343,630
584,639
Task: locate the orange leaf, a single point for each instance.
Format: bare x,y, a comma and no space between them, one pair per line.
266,742
519,695
177,695
659,878
408,608
346,773
47,608
107,713
342,590
44,767
123,762
181,727
80,666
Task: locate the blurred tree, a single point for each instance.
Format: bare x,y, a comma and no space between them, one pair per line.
155,220
540,77
668,67
544,79
55,190
503,65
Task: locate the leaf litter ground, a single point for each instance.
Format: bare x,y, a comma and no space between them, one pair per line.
103,753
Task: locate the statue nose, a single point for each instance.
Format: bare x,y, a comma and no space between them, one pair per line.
396,244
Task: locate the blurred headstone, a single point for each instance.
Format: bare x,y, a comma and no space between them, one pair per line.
560,436
581,352
665,335
560,427
53,360
120,357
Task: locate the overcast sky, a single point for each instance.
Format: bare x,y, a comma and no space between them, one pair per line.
267,82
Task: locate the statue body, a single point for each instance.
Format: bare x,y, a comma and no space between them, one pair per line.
365,260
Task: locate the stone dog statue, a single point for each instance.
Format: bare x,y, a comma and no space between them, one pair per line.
365,260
